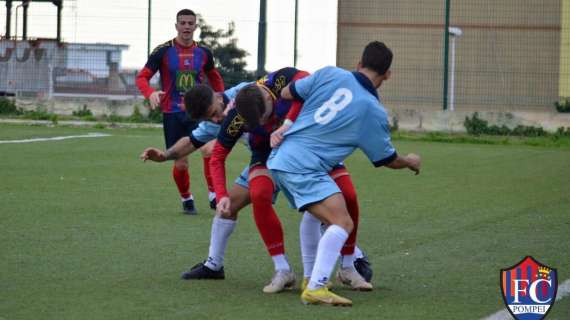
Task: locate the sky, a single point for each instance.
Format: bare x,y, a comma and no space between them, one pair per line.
125,22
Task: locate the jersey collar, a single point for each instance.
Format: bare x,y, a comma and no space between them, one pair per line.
366,83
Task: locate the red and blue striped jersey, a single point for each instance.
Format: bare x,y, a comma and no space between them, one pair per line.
180,69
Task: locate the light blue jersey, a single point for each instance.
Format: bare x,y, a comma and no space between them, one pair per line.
232,92
341,112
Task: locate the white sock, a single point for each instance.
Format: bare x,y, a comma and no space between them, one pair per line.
281,263
358,253
211,196
191,197
327,254
221,231
347,261
310,234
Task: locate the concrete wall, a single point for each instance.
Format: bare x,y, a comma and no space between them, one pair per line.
98,106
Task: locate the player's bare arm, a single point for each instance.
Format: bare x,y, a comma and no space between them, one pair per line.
181,148
411,161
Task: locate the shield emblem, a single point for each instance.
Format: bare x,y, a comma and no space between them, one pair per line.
529,289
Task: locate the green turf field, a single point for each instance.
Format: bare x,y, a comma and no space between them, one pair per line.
90,232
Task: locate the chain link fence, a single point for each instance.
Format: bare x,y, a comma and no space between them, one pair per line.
501,55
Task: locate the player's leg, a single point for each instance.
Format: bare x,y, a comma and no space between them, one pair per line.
206,154
222,228
333,212
317,193
309,236
176,126
261,190
347,274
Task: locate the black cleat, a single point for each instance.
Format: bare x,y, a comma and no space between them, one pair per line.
362,266
213,204
200,271
188,207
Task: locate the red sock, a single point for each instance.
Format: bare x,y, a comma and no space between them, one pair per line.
207,174
347,188
182,179
268,224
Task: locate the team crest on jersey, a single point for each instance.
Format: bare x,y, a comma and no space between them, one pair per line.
262,80
529,289
235,126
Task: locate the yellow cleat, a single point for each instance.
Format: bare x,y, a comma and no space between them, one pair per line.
305,283
324,296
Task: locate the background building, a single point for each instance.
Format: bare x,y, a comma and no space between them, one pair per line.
512,54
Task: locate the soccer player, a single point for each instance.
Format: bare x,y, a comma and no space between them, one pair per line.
341,112
202,103
182,63
265,94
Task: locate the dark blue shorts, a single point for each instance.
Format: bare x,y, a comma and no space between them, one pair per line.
176,125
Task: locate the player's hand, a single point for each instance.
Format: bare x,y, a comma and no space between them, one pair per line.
414,162
153,154
154,99
277,135
223,205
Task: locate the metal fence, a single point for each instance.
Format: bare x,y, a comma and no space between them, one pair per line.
46,68
510,54
501,55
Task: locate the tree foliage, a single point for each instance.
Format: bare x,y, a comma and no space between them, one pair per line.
229,58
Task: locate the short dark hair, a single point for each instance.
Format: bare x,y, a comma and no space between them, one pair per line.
377,56
250,105
185,12
198,100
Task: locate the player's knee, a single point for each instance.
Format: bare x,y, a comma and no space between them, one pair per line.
347,224
232,215
181,165
261,195
261,190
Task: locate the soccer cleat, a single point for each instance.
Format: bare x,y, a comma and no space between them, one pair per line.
324,296
188,207
362,265
200,272
305,283
213,204
281,280
349,277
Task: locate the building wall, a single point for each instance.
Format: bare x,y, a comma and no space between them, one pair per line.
565,50
509,55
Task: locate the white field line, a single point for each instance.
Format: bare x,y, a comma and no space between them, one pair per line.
89,135
563,291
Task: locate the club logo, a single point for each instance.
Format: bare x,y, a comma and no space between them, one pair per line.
529,289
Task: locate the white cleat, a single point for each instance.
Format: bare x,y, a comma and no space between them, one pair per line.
349,277
281,280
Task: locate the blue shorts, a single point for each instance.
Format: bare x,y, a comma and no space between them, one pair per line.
176,125
242,180
305,189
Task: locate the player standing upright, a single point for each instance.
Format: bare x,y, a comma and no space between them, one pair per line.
182,63
341,112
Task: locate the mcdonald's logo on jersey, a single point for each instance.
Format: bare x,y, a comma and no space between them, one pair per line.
185,80
529,289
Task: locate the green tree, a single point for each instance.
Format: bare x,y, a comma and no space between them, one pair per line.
230,59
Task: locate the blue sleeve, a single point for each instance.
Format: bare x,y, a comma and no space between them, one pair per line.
375,140
301,89
232,92
204,133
